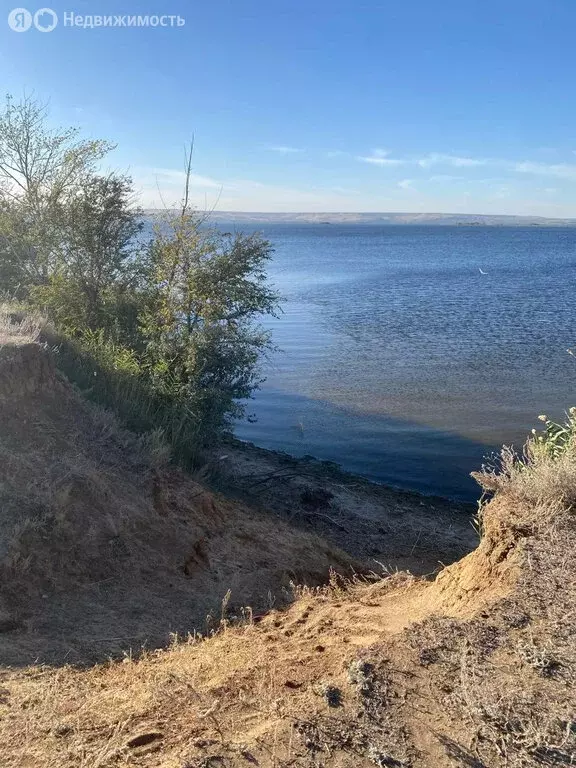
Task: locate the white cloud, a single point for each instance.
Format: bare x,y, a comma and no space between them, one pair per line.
502,192
559,170
379,157
437,158
382,157
170,176
284,150
164,186
159,187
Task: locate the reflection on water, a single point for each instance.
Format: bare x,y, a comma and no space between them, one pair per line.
405,363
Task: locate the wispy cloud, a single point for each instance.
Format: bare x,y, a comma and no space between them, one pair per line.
164,187
502,192
171,176
159,187
437,158
433,181
380,157
285,150
558,170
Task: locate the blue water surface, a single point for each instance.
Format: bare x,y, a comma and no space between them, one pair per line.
401,361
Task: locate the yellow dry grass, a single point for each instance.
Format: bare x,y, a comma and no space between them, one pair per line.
473,668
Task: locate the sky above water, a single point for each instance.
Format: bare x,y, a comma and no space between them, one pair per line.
418,105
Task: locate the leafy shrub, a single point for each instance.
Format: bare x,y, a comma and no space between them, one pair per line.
165,331
110,374
555,439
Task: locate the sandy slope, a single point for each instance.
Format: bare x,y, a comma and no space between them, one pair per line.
105,547
104,550
401,672
379,524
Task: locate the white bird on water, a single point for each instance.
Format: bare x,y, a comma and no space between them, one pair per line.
482,271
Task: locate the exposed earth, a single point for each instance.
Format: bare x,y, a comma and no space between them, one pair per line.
296,616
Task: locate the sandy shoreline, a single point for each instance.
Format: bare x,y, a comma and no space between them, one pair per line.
378,524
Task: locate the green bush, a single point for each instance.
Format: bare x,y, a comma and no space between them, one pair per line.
555,439
164,331
111,375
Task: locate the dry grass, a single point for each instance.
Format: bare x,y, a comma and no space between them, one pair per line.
514,686
476,668
279,691
105,547
22,330
537,476
353,674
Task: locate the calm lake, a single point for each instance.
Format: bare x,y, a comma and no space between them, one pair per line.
401,361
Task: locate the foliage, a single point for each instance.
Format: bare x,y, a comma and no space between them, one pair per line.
555,439
207,290
97,268
111,374
40,169
165,331
545,470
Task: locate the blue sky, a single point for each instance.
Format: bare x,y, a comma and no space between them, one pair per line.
420,105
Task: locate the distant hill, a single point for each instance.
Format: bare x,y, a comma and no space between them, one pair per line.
440,219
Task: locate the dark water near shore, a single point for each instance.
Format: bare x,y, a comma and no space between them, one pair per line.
401,361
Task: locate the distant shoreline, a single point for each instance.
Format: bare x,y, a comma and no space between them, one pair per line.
424,219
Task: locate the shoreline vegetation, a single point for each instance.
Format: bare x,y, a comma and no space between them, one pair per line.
164,329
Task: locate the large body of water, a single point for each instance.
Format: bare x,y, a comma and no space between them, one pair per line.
401,361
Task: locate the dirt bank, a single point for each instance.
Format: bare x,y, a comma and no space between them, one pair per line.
106,548
473,669
376,523
312,657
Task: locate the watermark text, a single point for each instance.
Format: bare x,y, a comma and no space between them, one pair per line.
45,20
